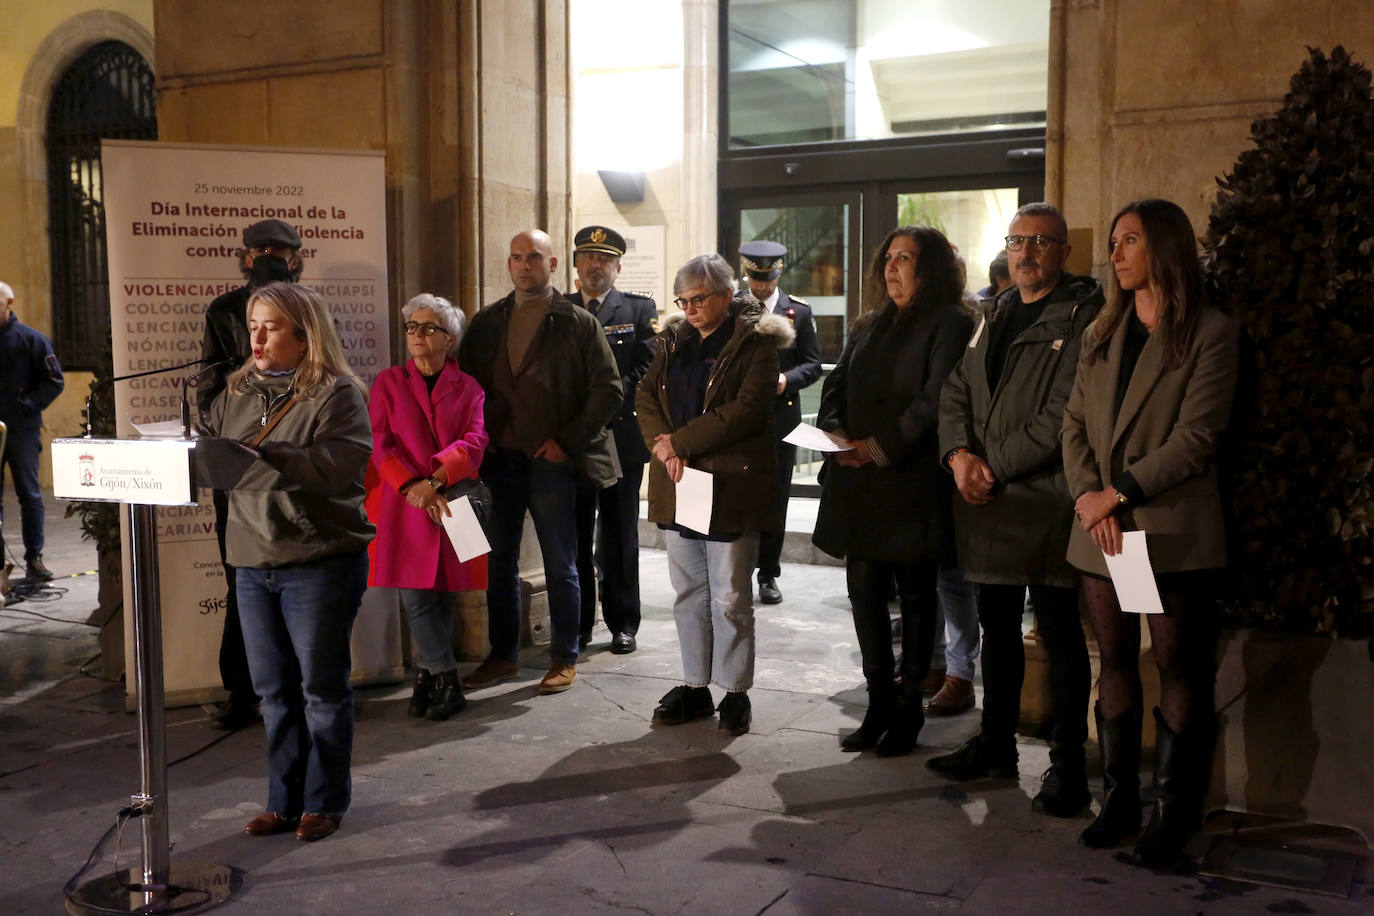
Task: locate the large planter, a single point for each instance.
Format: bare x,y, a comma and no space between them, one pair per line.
1295,731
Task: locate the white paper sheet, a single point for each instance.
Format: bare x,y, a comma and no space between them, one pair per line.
162,429
464,531
807,436
693,500
1133,577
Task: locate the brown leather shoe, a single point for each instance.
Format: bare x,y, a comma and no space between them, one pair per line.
492,671
954,697
317,826
559,678
270,822
933,682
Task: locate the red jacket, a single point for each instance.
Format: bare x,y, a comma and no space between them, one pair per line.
413,433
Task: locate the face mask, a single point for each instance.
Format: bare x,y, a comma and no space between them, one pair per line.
268,268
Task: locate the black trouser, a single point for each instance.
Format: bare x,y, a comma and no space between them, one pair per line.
1004,664
616,553
869,583
770,542
233,657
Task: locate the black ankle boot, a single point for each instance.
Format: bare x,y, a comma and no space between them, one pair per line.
907,720
422,694
1180,777
1119,740
448,699
876,721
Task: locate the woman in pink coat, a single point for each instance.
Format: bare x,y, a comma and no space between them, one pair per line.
427,432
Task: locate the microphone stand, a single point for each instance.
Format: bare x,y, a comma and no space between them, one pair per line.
186,402
123,378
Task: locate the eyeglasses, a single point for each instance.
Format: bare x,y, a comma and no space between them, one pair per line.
423,330
695,302
1036,242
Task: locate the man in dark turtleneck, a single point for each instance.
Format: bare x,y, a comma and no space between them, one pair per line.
552,386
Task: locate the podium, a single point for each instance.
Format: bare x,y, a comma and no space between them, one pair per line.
143,474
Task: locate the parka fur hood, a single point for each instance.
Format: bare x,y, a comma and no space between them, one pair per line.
733,437
749,318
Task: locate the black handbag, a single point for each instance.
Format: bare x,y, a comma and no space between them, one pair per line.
478,495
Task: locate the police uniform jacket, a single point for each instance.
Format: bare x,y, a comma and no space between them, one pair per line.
30,376
801,362
631,321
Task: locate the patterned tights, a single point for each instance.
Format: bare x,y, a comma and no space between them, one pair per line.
1184,641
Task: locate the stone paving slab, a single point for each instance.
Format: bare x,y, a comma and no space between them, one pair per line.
578,803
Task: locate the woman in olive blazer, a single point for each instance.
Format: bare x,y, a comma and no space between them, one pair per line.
1141,435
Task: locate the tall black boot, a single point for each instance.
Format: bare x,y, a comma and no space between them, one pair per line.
448,699
877,719
1180,777
1119,740
907,720
421,694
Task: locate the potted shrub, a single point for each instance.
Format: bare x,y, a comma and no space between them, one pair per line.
1290,254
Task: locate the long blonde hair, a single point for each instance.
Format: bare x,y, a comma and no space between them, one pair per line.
323,361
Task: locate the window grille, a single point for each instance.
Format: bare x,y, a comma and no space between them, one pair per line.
107,93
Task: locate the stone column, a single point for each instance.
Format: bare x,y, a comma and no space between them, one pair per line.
701,118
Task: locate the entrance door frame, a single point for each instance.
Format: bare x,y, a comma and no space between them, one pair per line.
869,175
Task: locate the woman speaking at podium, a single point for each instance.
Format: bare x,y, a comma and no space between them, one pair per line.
291,443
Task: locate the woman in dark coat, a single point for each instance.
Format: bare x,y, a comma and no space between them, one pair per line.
885,505
706,402
1141,431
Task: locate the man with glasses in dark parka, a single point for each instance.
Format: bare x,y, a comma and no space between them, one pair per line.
1000,415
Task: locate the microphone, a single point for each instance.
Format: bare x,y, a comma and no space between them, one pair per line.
186,403
123,378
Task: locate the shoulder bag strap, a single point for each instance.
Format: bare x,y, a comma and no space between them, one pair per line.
271,424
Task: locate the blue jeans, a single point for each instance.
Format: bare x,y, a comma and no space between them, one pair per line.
22,449
959,614
714,608
296,623
549,492
430,614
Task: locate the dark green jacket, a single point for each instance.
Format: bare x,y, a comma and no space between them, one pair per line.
302,499
1020,537
732,439
577,368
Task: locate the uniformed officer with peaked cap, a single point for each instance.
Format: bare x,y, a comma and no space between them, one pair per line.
799,365
631,321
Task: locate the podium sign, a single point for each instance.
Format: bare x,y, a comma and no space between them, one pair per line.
148,472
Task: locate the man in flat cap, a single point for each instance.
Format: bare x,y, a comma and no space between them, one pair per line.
799,366
271,252
630,321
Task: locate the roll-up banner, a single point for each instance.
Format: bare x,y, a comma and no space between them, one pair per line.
175,215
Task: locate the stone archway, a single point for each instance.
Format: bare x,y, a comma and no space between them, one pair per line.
50,60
